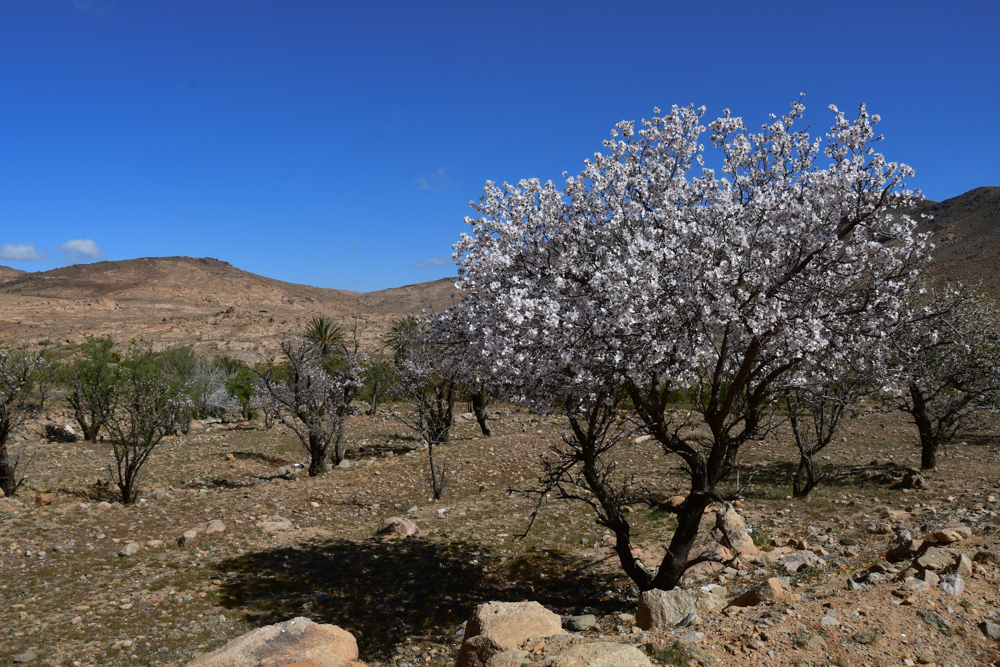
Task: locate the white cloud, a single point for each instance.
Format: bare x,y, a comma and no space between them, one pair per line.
436,182
21,252
79,249
431,263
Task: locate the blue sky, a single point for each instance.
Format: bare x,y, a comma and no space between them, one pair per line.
339,144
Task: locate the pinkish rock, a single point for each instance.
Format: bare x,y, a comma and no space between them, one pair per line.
296,642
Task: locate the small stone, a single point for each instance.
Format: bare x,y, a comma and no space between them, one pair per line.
104,505
990,630
936,621
215,526
76,620
154,544
926,658
952,533
230,457
25,657
829,622
130,549
579,623
964,568
313,504
275,524
952,584
815,643
44,499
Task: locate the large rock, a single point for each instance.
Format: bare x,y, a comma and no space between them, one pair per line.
952,533
398,527
665,609
275,524
298,641
497,627
600,654
768,591
734,531
935,559
798,560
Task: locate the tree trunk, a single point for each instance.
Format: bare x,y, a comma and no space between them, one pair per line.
675,561
317,456
805,477
8,472
479,403
929,440
437,479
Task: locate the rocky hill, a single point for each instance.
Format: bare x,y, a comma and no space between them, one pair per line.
966,233
184,300
7,273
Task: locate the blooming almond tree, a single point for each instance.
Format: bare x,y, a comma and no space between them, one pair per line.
313,403
649,274
948,362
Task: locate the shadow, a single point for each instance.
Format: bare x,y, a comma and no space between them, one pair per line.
764,482
263,458
386,590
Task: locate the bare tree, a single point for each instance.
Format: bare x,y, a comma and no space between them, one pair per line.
17,369
310,401
428,386
816,409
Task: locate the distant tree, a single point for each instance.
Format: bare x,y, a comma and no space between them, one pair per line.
241,383
89,383
17,370
325,335
947,356
817,406
207,390
379,376
138,411
401,336
428,386
311,402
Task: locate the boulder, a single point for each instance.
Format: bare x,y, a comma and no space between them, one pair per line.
734,531
215,526
934,559
797,560
599,654
298,641
497,627
768,591
665,609
396,526
275,524
952,533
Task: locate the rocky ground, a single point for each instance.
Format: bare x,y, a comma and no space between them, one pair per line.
84,581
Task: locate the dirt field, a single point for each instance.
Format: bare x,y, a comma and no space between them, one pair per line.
68,598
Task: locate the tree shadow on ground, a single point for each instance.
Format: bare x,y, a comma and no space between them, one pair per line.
771,481
384,591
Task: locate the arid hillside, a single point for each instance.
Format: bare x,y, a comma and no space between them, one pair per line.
183,300
219,308
966,233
